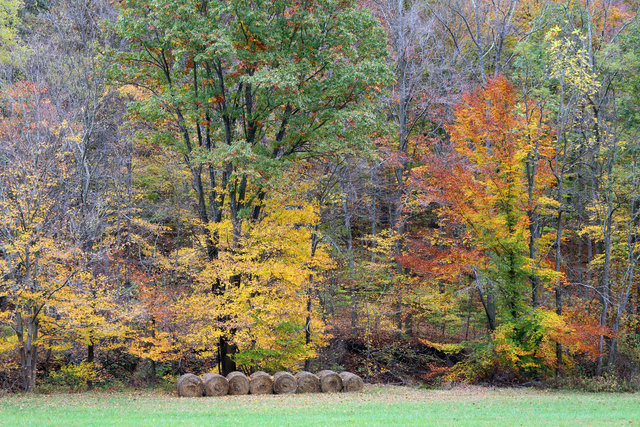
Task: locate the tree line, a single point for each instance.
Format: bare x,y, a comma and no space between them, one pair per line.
416,190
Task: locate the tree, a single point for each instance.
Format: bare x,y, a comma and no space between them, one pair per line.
44,272
495,140
241,89
486,194
9,24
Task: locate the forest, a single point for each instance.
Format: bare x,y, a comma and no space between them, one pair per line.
418,191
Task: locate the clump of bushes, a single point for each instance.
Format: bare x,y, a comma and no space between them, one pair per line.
76,376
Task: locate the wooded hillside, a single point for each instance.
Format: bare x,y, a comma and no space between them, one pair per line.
414,190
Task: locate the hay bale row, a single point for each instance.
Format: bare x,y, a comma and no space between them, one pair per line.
260,383
284,383
351,382
190,385
330,382
215,385
307,382
237,383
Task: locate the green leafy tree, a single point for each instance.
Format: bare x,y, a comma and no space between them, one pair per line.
9,22
242,89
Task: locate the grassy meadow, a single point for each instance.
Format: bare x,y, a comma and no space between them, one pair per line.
376,405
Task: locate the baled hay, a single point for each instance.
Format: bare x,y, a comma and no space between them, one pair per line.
190,385
238,383
284,383
308,382
351,382
330,382
260,383
215,385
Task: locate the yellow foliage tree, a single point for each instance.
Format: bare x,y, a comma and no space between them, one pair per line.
258,293
48,295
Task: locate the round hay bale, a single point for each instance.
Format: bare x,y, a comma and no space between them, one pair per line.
308,382
330,382
190,385
284,383
238,383
215,385
260,383
351,382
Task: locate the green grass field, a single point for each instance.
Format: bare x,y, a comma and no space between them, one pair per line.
374,406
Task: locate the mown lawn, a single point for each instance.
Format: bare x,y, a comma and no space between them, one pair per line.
376,405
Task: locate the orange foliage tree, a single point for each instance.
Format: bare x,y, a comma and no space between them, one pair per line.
487,190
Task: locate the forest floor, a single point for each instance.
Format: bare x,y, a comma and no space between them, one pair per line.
376,405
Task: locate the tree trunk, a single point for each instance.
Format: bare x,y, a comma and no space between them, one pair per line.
604,289
307,328
589,274
227,365
90,359
558,289
28,352
349,236
307,331
626,292
488,303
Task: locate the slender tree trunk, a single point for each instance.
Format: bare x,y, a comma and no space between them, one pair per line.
488,303
589,274
468,323
307,328
535,281
405,96
558,289
490,309
90,358
349,235
626,292
605,290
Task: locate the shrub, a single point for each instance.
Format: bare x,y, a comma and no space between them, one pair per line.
522,349
608,382
76,376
